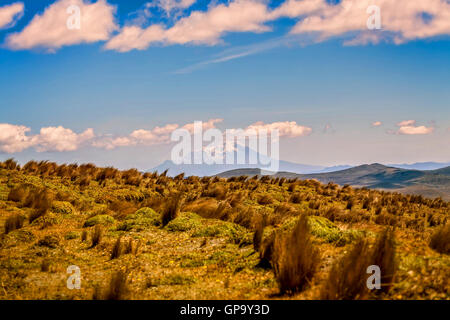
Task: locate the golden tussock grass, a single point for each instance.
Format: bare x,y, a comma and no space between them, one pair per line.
440,240
295,258
14,222
347,279
172,208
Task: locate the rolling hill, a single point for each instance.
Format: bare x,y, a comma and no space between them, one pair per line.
429,183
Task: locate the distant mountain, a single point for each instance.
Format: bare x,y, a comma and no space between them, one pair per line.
332,169
210,170
202,170
422,165
431,183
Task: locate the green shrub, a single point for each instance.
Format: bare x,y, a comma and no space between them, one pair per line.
47,220
222,229
101,219
71,235
323,228
141,219
185,222
62,207
50,241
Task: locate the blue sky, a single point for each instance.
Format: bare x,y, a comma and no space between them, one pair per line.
320,82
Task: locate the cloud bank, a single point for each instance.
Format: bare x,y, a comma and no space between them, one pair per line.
17,138
401,21
319,20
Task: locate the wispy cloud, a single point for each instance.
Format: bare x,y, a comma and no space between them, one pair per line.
241,52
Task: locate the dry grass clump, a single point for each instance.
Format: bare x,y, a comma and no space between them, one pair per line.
97,235
14,222
223,211
258,234
314,204
132,177
295,258
296,198
9,164
18,194
45,265
84,235
216,191
131,247
440,240
266,252
121,208
179,177
172,208
203,207
39,200
84,181
348,276
236,199
117,288
384,256
107,173
244,217
285,209
117,249
292,186
265,199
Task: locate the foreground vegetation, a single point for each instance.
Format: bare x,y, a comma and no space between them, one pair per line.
149,236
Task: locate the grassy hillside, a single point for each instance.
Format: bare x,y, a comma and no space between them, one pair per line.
148,236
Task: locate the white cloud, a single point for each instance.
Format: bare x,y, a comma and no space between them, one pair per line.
296,8
406,123
109,143
409,127
9,14
60,139
198,28
402,20
135,37
50,29
377,123
155,136
289,129
210,124
14,138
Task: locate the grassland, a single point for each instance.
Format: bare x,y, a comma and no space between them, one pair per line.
149,236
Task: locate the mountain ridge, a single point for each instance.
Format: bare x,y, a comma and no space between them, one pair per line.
429,183
284,166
